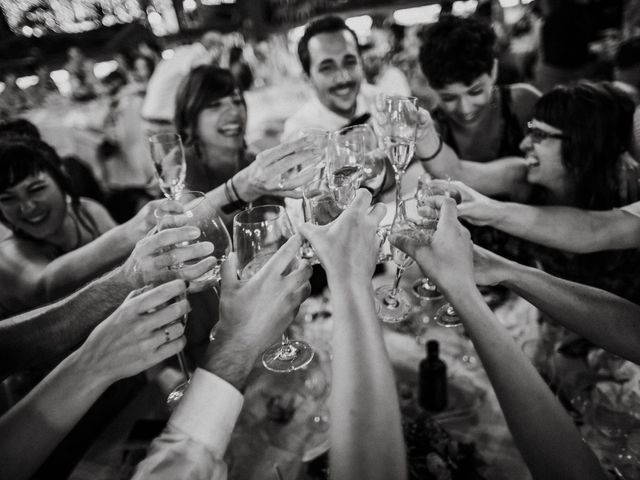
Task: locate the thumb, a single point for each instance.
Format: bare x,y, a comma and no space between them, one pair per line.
229,271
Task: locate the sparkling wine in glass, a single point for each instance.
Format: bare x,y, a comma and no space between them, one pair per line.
258,233
169,163
397,121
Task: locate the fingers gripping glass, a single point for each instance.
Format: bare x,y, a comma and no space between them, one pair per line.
167,154
446,315
394,302
538,135
258,233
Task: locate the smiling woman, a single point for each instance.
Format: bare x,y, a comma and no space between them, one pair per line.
46,217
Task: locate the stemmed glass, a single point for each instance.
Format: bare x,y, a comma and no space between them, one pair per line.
397,120
394,302
423,288
201,214
446,315
345,164
169,163
258,233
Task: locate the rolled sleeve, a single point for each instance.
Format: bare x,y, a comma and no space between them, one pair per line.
633,209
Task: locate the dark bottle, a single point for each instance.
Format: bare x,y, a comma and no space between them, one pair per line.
432,380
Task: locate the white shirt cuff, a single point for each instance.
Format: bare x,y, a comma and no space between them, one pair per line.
208,411
632,208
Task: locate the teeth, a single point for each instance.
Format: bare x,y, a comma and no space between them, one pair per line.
532,162
37,219
343,91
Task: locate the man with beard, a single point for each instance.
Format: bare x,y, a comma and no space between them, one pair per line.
330,57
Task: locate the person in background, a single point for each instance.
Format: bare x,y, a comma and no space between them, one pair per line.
255,313
13,100
129,341
478,127
381,73
240,69
81,76
158,107
524,397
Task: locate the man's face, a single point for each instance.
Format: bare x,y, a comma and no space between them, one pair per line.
465,103
335,71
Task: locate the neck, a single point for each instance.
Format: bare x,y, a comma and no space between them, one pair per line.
67,236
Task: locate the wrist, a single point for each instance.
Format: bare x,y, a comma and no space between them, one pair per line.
455,286
230,358
243,187
429,144
88,376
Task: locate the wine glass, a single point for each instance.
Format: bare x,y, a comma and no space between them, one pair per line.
397,120
345,164
169,163
446,315
424,288
258,233
201,214
374,162
394,302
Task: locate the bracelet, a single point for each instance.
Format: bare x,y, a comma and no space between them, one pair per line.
236,191
437,152
227,193
232,205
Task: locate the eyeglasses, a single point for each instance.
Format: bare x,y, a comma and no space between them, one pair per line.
538,135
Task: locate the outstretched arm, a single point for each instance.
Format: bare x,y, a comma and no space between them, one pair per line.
45,335
564,228
601,317
126,343
364,400
540,426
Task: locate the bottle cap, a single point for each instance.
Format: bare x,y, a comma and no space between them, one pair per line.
433,347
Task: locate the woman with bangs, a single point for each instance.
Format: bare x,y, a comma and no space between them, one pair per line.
58,240
576,148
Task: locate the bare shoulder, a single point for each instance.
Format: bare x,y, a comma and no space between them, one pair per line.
98,213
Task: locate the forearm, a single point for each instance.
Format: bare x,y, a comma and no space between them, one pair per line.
603,318
504,176
364,402
35,426
569,229
72,270
42,336
539,425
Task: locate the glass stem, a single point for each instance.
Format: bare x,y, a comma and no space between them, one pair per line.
183,366
396,282
398,177
285,338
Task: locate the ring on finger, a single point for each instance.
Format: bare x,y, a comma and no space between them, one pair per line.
167,335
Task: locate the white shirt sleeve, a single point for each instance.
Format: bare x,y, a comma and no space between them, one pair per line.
632,208
192,445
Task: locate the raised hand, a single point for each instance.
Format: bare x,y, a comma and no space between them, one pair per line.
143,331
254,313
489,268
349,246
448,258
268,173
143,221
160,257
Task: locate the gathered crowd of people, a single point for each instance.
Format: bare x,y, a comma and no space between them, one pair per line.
537,162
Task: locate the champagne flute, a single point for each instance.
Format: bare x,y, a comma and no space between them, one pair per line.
258,233
424,288
345,165
446,315
397,120
169,163
394,302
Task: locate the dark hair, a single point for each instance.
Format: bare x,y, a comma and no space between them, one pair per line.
20,127
457,50
628,53
21,157
328,24
151,63
597,118
203,85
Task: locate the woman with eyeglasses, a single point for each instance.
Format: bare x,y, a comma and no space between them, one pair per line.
576,148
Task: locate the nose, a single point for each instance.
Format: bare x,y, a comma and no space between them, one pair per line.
26,206
342,75
465,106
526,144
